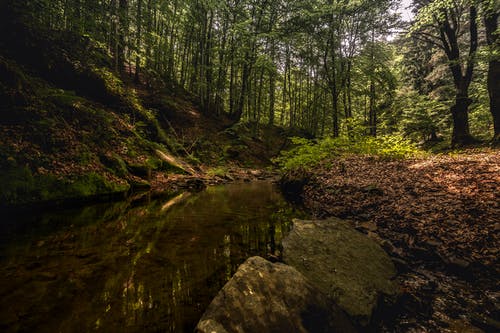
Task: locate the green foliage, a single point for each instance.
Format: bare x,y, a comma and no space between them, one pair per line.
305,154
434,11
309,153
421,116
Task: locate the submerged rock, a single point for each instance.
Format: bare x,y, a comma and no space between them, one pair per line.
343,263
265,297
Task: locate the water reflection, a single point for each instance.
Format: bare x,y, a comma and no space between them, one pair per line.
148,267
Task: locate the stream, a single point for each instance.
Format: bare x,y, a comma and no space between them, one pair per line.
134,266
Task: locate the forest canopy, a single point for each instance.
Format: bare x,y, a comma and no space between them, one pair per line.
328,67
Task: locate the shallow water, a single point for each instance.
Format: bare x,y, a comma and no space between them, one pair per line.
134,267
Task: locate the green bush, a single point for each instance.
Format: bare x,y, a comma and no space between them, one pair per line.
309,153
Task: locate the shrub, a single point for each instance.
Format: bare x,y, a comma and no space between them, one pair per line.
309,153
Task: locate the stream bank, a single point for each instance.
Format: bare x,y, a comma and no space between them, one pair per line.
438,219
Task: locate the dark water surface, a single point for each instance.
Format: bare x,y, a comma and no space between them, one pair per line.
152,266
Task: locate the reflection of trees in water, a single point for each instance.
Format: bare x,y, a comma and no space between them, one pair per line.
154,266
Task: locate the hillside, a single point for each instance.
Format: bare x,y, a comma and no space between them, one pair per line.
70,127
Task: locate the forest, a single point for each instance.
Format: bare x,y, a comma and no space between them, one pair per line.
327,67
181,139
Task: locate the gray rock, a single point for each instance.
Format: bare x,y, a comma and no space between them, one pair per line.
343,263
265,297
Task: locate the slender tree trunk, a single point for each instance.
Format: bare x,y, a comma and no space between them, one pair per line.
259,94
148,40
331,72
113,34
138,42
285,85
122,33
372,111
172,77
236,116
208,66
222,71
272,89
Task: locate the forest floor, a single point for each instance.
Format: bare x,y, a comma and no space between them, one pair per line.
438,217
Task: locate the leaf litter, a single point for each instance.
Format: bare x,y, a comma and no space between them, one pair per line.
439,218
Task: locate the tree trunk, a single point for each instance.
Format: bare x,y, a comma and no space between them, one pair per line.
222,71
460,114
492,37
122,33
113,33
461,79
372,122
494,93
236,116
138,42
372,112
272,88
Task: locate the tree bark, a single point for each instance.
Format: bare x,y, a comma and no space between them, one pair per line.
460,115
449,39
138,42
492,37
122,34
236,116
372,112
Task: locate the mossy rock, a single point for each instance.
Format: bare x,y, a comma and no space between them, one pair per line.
92,184
343,263
265,297
21,186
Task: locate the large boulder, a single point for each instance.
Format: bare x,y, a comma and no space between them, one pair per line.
344,264
265,297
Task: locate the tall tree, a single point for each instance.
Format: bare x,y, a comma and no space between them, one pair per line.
491,13
442,23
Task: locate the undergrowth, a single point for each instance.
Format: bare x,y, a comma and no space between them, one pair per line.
309,153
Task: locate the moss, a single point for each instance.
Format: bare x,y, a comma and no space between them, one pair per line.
114,164
219,172
92,184
16,183
154,163
20,186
